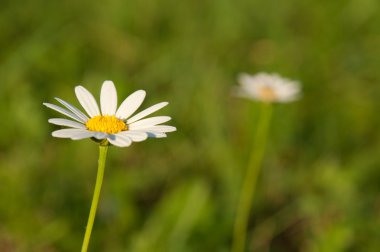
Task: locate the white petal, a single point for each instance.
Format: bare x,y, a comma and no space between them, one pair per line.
73,109
67,123
130,104
153,134
100,135
108,98
244,79
160,128
145,123
118,140
64,111
87,100
136,136
147,111
75,134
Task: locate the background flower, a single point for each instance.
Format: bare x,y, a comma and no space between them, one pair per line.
268,88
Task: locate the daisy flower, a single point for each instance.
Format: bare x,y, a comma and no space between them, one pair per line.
268,88
108,123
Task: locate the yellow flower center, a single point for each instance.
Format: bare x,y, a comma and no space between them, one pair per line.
267,94
107,124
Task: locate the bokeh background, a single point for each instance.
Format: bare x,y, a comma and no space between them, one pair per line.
319,189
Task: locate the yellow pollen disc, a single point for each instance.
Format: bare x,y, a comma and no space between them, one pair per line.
107,124
267,94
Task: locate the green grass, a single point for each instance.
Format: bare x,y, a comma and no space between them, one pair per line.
320,181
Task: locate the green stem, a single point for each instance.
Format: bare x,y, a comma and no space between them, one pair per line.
250,180
95,199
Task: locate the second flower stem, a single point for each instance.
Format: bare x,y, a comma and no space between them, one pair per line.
95,199
250,180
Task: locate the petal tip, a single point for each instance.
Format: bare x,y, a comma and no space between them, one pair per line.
79,88
108,82
141,92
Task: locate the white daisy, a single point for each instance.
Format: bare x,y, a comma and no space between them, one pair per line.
116,125
268,88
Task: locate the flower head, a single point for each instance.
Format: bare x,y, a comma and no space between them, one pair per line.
109,123
268,88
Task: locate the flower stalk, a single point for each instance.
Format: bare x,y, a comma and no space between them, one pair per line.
95,200
250,180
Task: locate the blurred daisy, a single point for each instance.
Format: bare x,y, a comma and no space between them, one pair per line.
268,88
109,123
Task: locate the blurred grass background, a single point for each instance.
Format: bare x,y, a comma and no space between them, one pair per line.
319,188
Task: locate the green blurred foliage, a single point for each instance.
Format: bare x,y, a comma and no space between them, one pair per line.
319,188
